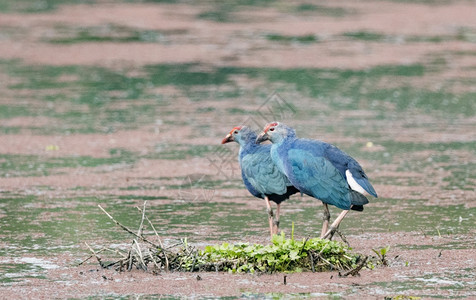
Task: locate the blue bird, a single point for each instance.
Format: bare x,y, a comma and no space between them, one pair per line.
320,170
260,175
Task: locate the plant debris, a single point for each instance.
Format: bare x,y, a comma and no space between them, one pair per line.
282,255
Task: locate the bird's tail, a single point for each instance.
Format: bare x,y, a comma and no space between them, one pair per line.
357,200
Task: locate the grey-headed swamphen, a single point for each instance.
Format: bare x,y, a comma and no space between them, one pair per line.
260,175
319,170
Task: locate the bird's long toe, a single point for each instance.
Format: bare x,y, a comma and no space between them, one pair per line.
330,233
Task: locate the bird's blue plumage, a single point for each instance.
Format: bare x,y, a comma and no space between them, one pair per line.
260,175
318,169
342,161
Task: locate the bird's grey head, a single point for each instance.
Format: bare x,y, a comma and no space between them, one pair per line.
240,134
275,132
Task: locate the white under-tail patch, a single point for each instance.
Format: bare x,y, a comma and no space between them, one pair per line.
354,185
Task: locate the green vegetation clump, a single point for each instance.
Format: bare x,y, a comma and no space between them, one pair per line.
282,255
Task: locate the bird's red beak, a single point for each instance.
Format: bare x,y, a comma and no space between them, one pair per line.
228,138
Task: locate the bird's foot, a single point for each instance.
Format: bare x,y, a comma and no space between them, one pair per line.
342,236
330,233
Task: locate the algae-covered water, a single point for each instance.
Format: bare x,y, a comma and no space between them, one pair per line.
137,111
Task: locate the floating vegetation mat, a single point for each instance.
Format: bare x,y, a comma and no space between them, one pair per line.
281,255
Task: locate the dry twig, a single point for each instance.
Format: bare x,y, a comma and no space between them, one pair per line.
95,254
158,239
355,271
128,230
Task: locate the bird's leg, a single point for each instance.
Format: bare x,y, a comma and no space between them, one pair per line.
276,220
335,225
326,216
270,216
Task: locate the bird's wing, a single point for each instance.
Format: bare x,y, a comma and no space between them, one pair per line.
263,173
317,176
345,163
250,187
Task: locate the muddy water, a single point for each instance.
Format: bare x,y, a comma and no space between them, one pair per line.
113,112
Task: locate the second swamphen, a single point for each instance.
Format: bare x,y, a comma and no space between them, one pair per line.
260,175
319,170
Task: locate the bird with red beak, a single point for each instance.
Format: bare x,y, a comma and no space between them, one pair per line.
260,175
320,170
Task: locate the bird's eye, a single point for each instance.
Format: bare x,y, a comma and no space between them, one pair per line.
271,129
236,132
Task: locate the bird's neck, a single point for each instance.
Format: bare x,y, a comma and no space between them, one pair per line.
248,145
246,148
275,151
288,140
